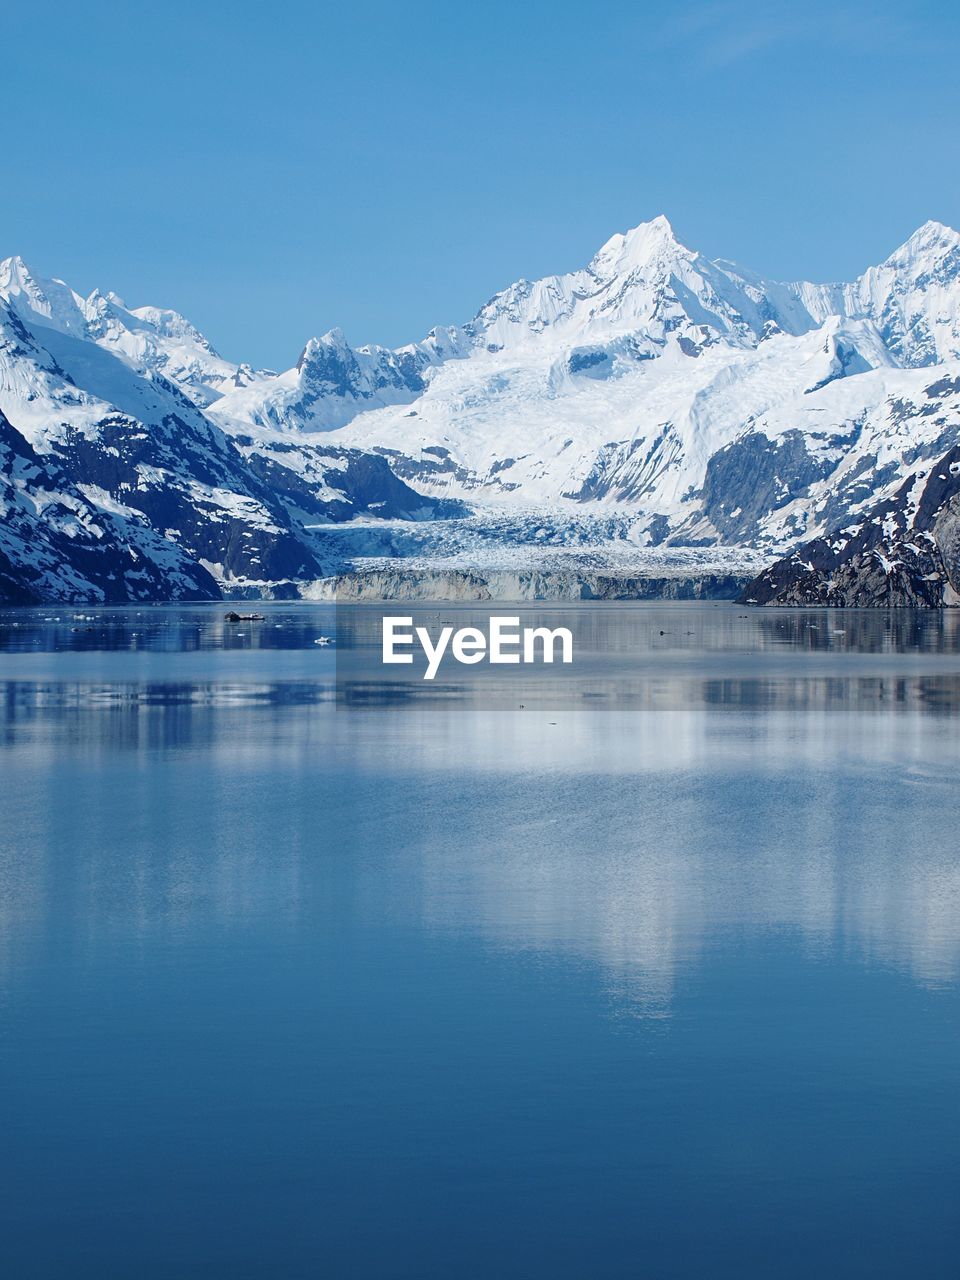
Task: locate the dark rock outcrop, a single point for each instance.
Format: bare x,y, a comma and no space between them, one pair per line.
57,545
903,552
946,531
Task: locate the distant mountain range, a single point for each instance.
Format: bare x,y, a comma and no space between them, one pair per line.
654,398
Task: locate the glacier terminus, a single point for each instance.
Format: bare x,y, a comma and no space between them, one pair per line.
654,417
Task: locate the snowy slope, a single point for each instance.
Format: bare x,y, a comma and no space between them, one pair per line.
333,382
724,407
912,297
148,339
136,447
58,544
653,398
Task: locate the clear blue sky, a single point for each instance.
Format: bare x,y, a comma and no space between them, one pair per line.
272,170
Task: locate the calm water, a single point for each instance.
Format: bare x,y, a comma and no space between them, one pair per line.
654,976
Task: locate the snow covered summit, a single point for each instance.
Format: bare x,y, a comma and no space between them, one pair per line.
676,400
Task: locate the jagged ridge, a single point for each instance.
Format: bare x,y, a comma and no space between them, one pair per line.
705,404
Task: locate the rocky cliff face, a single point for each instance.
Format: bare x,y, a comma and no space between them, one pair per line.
946,533
903,552
57,545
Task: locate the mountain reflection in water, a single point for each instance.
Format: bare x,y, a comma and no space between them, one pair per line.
701,888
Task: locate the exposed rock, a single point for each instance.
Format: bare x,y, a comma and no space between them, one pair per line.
946,531
57,545
903,552
753,476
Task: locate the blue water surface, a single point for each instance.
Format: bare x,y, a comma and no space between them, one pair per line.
649,973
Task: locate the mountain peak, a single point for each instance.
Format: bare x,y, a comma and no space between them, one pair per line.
334,337
932,239
16,275
50,302
627,251
940,231
333,340
320,349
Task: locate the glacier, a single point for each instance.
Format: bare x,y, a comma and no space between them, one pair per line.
654,415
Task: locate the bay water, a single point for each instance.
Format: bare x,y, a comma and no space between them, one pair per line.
649,971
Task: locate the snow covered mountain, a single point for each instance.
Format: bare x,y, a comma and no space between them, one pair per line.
57,544
332,383
686,402
148,339
724,407
117,486
912,298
